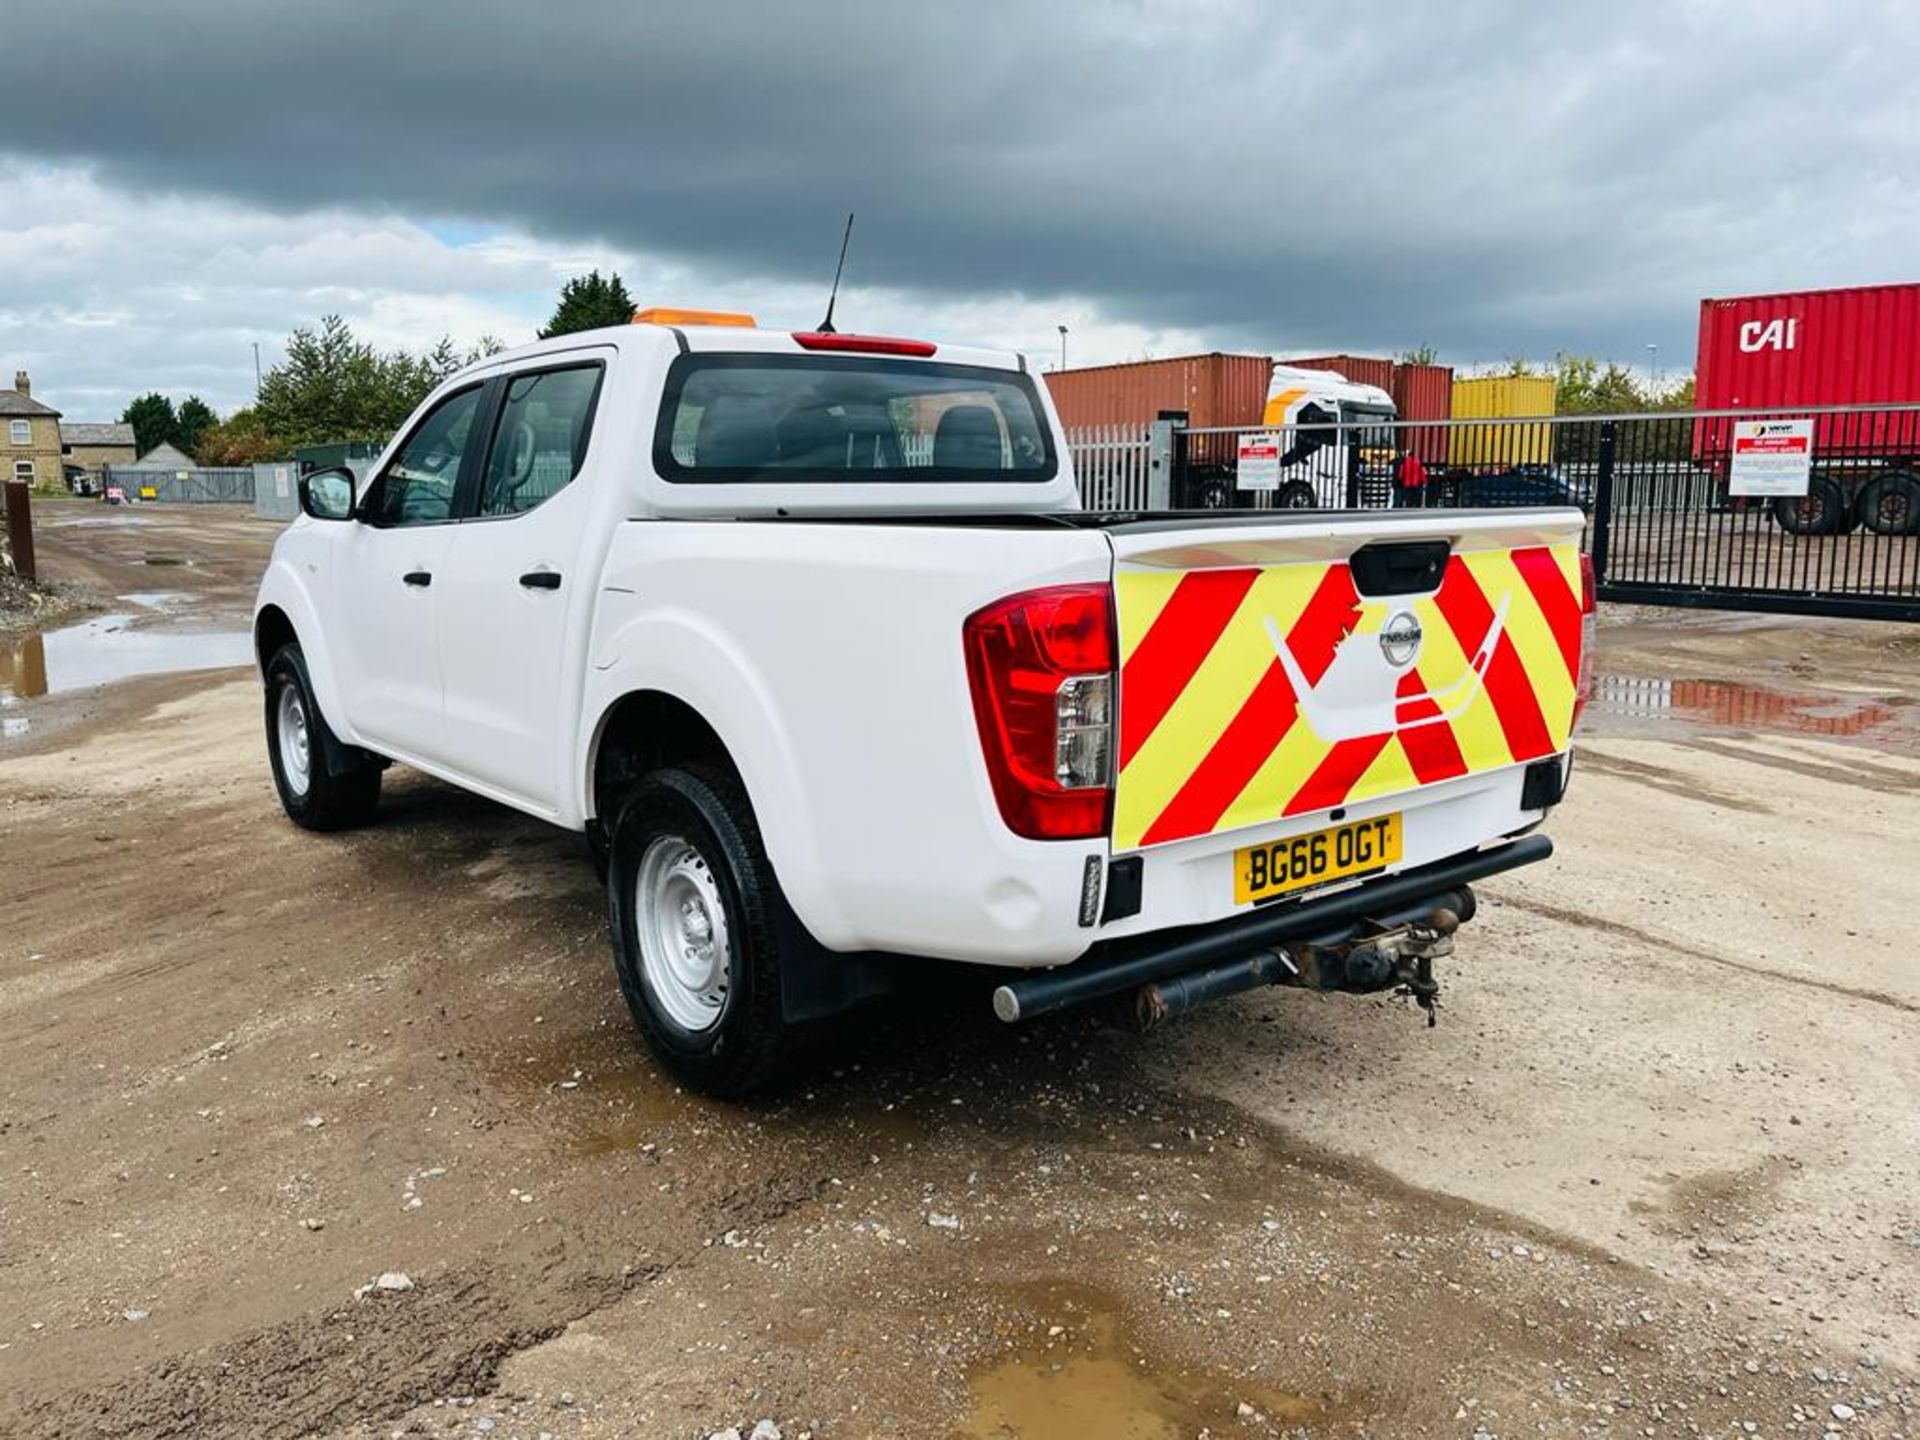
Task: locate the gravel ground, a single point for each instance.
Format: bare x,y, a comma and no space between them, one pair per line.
350,1136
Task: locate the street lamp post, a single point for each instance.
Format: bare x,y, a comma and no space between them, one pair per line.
1063,347
1653,366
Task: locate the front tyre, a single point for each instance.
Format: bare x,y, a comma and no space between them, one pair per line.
691,899
323,784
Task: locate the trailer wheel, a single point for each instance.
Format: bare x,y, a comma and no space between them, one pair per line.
1296,495
1823,510
1890,503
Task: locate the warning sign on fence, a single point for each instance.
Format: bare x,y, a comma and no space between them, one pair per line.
1259,467
1771,457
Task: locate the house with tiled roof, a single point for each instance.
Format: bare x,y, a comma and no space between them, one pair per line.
29,437
89,447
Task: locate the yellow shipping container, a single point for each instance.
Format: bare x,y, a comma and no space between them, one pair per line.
1501,397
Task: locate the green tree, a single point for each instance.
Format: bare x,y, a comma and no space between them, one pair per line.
1419,355
194,418
240,439
153,421
589,301
1675,397
333,386
1585,385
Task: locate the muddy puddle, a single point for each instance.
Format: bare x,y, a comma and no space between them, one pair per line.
1622,702
109,648
1084,1374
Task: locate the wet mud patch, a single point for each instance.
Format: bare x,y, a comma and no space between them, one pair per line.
1669,782
369,1357
594,1092
1858,775
1717,1200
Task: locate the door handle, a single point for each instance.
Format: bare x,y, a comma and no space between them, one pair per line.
418,577
541,579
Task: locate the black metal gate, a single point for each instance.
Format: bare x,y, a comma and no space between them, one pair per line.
1664,524
1667,529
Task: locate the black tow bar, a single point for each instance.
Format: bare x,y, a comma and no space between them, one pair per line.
1120,965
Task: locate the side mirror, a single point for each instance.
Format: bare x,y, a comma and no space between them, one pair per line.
327,494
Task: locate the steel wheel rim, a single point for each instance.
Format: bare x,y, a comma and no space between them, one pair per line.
685,949
296,743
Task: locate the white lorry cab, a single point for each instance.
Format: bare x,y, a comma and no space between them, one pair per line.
1331,444
808,634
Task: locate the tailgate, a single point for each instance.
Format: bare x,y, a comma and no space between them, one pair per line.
1259,682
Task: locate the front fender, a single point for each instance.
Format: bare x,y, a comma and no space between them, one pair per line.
687,656
288,587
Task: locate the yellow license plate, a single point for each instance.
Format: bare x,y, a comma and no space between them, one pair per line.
1262,871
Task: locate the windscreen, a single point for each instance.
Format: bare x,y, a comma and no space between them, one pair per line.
836,418
1369,430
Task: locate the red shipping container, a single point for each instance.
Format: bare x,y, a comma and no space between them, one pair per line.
1213,389
1858,346
1424,392
1361,369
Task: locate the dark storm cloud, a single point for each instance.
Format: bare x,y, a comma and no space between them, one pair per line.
1489,177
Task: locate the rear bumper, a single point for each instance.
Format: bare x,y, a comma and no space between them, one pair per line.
1118,965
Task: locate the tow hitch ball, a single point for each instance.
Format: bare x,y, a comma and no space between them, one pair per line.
1404,959
1398,957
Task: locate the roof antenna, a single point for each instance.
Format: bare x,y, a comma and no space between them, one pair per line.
826,325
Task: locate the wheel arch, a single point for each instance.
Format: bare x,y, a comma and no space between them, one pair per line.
284,613
272,629
643,730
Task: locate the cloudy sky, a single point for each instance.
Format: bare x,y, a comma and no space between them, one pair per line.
1491,177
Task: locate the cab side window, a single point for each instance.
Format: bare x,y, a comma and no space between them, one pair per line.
541,439
417,487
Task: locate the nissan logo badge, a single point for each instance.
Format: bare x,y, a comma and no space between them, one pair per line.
1400,638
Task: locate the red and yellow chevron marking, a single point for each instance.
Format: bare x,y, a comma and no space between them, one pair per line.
1213,736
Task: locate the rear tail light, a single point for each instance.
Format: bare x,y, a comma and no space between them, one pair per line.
1040,665
1589,628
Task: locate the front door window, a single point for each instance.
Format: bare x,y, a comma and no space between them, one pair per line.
417,487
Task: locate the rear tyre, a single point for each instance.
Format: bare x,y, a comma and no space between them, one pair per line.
323,784
690,898
1890,504
1296,495
1823,510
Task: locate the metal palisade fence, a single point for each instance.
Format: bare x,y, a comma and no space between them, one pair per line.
195,486
1814,511
1112,464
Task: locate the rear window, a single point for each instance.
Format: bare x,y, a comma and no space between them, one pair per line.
811,418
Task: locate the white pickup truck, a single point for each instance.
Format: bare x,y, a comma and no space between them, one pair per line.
808,633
